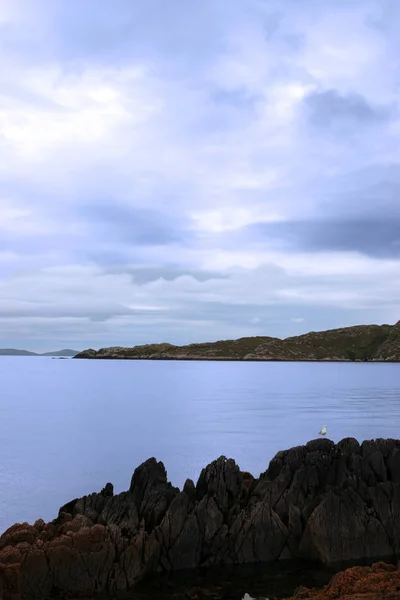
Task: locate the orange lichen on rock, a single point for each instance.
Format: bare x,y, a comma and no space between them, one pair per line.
379,582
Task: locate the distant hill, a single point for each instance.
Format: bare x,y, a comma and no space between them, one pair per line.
358,343
390,349
13,352
66,352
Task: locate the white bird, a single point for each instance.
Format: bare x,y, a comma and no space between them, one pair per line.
323,430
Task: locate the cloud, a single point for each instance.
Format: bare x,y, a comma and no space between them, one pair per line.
255,320
328,108
142,274
86,303
136,226
183,173
377,237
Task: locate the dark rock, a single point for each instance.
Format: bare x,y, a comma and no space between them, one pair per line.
320,445
74,524
342,529
151,492
321,501
108,490
393,465
10,588
349,446
256,535
20,532
190,489
223,481
91,506
122,511
180,535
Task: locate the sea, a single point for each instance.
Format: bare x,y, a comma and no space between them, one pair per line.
67,427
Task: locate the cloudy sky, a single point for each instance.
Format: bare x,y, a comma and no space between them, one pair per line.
186,171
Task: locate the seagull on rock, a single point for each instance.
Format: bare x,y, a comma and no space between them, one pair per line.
323,430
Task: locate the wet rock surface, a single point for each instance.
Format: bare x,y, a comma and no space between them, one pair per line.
321,502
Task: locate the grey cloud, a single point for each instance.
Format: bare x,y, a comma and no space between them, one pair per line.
97,312
239,98
90,306
384,17
295,41
368,194
330,107
276,318
142,274
379,237
44,333
98,33
377,202
223,312
219,71
136,226
356,210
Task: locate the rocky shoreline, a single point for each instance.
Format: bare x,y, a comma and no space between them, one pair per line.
361,343
320,502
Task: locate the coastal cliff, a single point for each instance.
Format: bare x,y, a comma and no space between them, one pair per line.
320,502
358,343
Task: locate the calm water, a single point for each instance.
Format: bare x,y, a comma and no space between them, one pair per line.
69,426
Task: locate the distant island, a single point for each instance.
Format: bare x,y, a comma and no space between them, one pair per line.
13,352
377,343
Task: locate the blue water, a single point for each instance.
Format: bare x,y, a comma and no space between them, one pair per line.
69,426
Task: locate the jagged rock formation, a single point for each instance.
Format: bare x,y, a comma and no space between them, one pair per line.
359,343
321,501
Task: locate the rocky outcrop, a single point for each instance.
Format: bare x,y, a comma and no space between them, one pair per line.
222,350
359,343
325,502
379,582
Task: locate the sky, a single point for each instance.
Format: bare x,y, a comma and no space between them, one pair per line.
188,171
